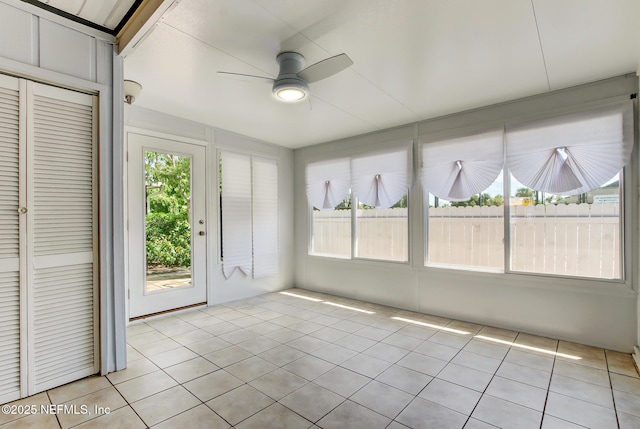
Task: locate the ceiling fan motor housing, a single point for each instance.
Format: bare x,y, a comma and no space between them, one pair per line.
288,81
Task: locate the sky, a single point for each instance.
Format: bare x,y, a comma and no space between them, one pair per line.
497,188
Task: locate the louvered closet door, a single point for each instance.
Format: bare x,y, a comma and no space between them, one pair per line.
9,240
61,236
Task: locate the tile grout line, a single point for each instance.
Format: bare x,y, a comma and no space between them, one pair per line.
546,397
51,402
613,397
487,386
127,402
169,375
304,316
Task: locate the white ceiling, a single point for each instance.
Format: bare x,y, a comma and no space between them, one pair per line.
106,13
413,59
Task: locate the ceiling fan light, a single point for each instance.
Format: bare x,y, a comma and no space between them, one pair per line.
290,90
290,94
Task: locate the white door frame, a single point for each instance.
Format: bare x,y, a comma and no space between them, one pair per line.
141,303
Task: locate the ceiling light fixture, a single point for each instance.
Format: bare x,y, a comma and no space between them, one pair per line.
292,82
290,89
131,90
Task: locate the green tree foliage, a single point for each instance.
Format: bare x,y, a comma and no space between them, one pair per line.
168,192
402,203
168,179
525,193
168,240
480,200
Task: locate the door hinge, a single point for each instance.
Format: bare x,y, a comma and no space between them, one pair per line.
128,293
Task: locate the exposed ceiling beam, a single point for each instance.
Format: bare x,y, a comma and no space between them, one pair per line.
141,23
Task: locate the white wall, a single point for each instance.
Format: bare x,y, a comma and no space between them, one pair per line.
598,313
636,261
38,45
238,286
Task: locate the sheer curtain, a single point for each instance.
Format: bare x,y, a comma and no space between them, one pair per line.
456,169
328,182
571,154
381,179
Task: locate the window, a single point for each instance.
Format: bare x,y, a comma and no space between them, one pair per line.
566,199
377,184
332,231
467,234
380,184
328,184
463,179
249,214
575,235
383,233
564,184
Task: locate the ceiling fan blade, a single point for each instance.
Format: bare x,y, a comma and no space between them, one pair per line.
245,77
325,68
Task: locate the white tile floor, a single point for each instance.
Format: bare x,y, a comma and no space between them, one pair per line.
284,361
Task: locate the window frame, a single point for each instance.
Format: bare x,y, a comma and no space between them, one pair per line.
471,268
405,144
627,173
310,241
354,235
623,241
623,226
354,232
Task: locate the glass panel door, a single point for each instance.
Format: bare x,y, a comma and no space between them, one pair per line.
167,220
167,227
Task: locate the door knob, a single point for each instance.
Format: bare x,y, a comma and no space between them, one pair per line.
202,233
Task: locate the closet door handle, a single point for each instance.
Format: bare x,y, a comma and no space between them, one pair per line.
23,210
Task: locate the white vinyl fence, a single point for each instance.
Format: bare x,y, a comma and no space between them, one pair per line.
571,239
382,234
568,239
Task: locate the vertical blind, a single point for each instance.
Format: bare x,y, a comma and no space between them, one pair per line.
456,169
265,217
249,215
236,213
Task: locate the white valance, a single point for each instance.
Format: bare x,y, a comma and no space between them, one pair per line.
380,180
456,169
572,154
328,182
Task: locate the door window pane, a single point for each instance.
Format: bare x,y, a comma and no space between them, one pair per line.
167,221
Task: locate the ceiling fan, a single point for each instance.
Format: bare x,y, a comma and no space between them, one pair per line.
292,83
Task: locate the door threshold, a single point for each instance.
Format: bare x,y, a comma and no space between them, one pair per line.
173,310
